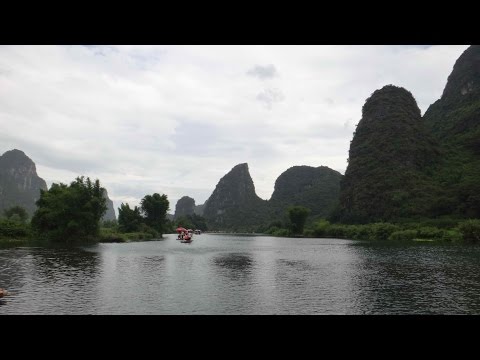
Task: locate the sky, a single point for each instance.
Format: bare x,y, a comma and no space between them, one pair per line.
175,119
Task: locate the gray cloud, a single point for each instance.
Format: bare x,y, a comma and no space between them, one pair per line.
263,72
270,96
175,119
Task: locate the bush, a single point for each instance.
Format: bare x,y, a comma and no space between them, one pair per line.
363,232
382,231
452,236
470,231
403,235
320,228
337,231
13,229
281,232
430,233
308,233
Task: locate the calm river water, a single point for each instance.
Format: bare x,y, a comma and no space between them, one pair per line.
227,274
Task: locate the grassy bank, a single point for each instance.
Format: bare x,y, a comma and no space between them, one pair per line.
109,235
16,234
453,231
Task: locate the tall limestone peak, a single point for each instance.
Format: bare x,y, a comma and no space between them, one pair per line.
458,110
185,206
464,81
234,204
388,153
455,121
110,213
19,183
316,188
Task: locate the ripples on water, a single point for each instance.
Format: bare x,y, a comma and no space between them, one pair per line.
218,274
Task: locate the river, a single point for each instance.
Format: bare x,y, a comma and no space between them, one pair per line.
231,274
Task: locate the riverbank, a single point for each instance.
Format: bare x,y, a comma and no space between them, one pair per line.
466,231
106,235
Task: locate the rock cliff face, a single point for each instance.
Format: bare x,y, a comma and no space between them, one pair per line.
199,209
110,213
458,110
185,206
234,205
388,161
314,188
454,120
19,183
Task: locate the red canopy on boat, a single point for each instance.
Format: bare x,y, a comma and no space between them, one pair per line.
181,229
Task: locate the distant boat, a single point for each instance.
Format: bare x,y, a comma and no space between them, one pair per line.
198,232
184,234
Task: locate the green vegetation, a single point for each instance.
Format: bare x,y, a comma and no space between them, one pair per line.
470,231
73,213
298,216
16,213
149,220
466,231
391,158
154,208
129,220
314,188
234,205
194,221
69,213
114,235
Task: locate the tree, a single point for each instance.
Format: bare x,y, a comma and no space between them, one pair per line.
129,220
193,221
154,208
16,212
298,216
70,212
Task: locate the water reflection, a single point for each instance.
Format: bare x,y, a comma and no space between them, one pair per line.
237,263
417,279
242,275
48,280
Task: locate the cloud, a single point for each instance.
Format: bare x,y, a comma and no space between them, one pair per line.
270,96
263,72
175,119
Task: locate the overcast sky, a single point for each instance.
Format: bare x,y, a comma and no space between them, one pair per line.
175,119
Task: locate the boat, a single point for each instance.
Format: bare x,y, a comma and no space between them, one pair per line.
198,232
3,292
184,234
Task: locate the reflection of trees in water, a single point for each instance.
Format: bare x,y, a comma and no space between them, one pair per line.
74,262
237,264
49,280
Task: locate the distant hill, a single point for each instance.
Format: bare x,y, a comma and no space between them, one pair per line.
403,166
454,120
19,183
316,188
110,213
234,205
185,206
389,153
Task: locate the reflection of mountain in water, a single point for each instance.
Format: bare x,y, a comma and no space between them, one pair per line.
416,279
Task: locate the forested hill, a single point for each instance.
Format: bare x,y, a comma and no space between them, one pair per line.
316,188
234,205
454,120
